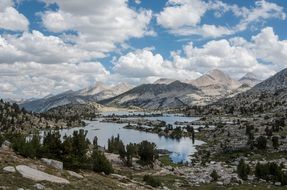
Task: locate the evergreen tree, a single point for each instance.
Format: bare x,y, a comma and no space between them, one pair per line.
261,142
214,175
100,163
147,152
243,170
275,142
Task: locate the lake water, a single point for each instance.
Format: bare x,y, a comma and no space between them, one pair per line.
168,118
181,149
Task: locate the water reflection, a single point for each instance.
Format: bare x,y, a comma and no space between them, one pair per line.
181,149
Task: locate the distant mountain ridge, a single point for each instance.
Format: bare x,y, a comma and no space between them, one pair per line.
163,93
250,79
276,82
164,81
216,77
154,96
268,96
92,94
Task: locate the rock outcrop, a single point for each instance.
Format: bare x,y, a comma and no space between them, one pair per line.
38,175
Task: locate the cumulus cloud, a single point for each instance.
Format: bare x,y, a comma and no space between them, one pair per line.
143,65
268,47
180,13
36,47
222,54
10,18
265,53
99,22
235,56
31,79
184,17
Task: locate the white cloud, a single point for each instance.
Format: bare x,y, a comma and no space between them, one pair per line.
184,17
267,46
179,13
222,54
99,22
5,3
263,10
145,66
138,1
30,79
10,18
36,47
205,30
265,54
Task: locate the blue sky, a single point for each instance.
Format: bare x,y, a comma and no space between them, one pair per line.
49,46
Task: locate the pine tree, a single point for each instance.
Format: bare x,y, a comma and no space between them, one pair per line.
243,170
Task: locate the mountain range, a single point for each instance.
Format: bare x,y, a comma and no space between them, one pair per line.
93,94
162,94
269,96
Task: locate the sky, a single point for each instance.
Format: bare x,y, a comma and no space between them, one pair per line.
50,46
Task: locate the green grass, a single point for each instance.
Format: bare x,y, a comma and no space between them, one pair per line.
214,186
251,154
166,161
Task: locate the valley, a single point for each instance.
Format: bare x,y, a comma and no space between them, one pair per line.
225,144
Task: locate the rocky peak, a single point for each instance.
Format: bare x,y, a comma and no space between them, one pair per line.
216,77
93,90
250,79
164,81
275,82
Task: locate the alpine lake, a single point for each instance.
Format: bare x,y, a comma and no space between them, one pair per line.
179,150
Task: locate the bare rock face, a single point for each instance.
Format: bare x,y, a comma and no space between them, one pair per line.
53,163
74,174
9,169
39,186
6,145
38,175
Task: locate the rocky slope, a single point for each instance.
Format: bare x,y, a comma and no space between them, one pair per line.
13,119
155,96
75,111
250,79
164,81
84,96
216,77
163,93
267,96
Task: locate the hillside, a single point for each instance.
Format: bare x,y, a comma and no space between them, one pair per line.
84,96
265,97
162,94
154,96
250,79
75,111
13,119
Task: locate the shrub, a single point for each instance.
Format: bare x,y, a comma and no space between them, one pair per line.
270,172
214,175
100,163
147,152
261,143
243,170
152,181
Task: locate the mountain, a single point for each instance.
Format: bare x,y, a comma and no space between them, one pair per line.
14,120
164,81
266,97
155,96
216,78
99,87
274,83
215,85
163,93
92,94
113,91
250,79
